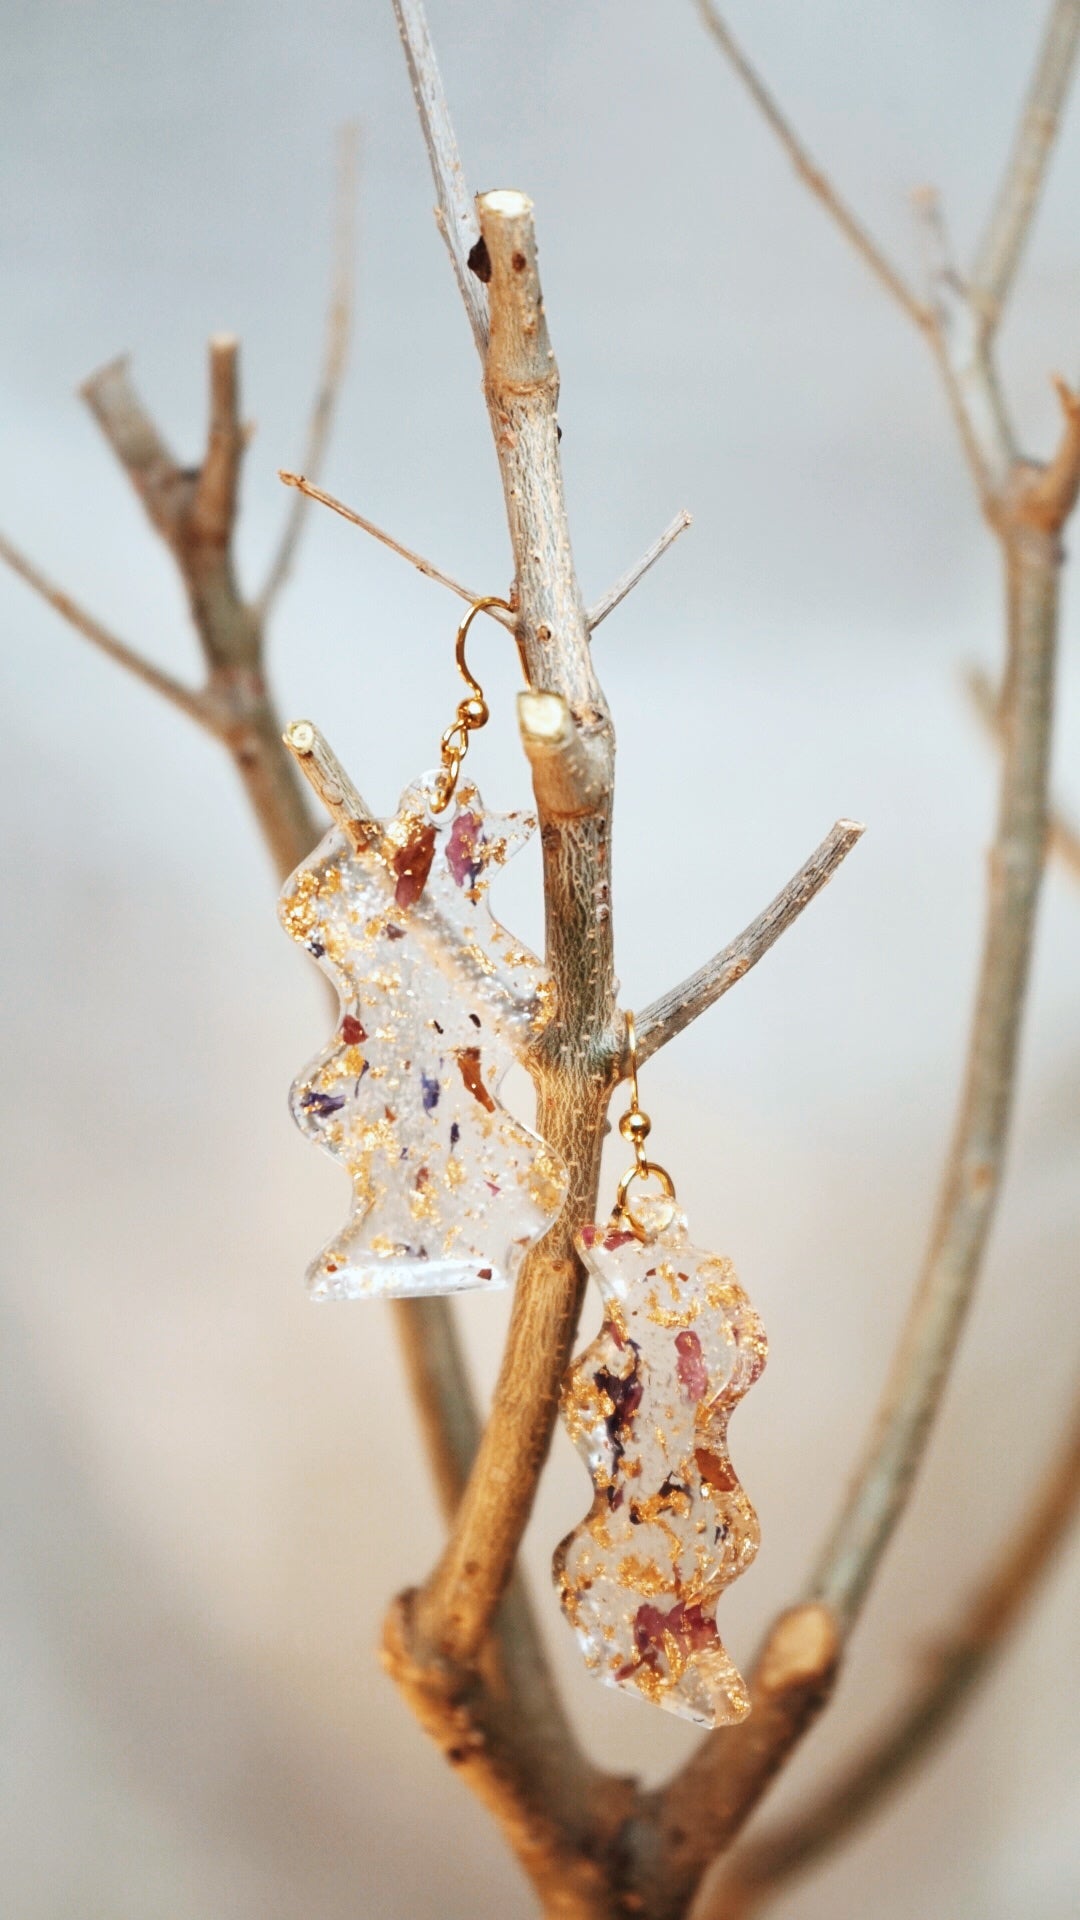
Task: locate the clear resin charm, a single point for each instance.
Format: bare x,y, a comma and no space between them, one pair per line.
647,1406
449,1189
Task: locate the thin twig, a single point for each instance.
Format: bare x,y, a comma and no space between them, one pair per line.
630,579
416,560
949,321
455,211
1064,841
335,355
807,169
189,699
664,1018
961,1659
1025,172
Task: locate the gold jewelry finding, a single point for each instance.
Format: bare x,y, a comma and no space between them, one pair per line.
472,712
635,1126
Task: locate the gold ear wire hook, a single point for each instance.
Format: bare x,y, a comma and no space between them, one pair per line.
471,714
635,1126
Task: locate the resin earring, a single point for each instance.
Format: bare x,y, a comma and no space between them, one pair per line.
647,1406
448,1188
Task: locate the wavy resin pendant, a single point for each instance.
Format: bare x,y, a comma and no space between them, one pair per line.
647,1406
449,1189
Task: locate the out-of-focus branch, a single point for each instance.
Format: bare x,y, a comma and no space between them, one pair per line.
1022,182
808,170
426,567
664,1018
211,516
965,360
335,356
963,1657
189,699
1064,840
193,509
1026,506
1030,534
455,210
629,580
959,320
236,705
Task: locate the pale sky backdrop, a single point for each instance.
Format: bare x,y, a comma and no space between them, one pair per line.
211,1487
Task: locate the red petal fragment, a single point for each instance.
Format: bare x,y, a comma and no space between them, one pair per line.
468,1059
412,864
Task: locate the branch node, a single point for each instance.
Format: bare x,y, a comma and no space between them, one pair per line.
570,772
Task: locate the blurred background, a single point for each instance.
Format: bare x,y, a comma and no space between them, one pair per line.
211,1488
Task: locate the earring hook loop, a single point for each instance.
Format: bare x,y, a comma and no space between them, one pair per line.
636,1126
472,712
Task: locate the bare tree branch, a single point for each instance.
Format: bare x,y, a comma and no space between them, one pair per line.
192,508
1064,841
666,1017
215,495
883,1483
335,356
965,360
568,774
327,777
963,1658
629,580
416,560
455,211
188,699
807,169
1022,182
952,322
563,1819
573,1064
684,1826
163,488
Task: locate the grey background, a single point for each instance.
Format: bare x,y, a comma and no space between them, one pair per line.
211,1488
